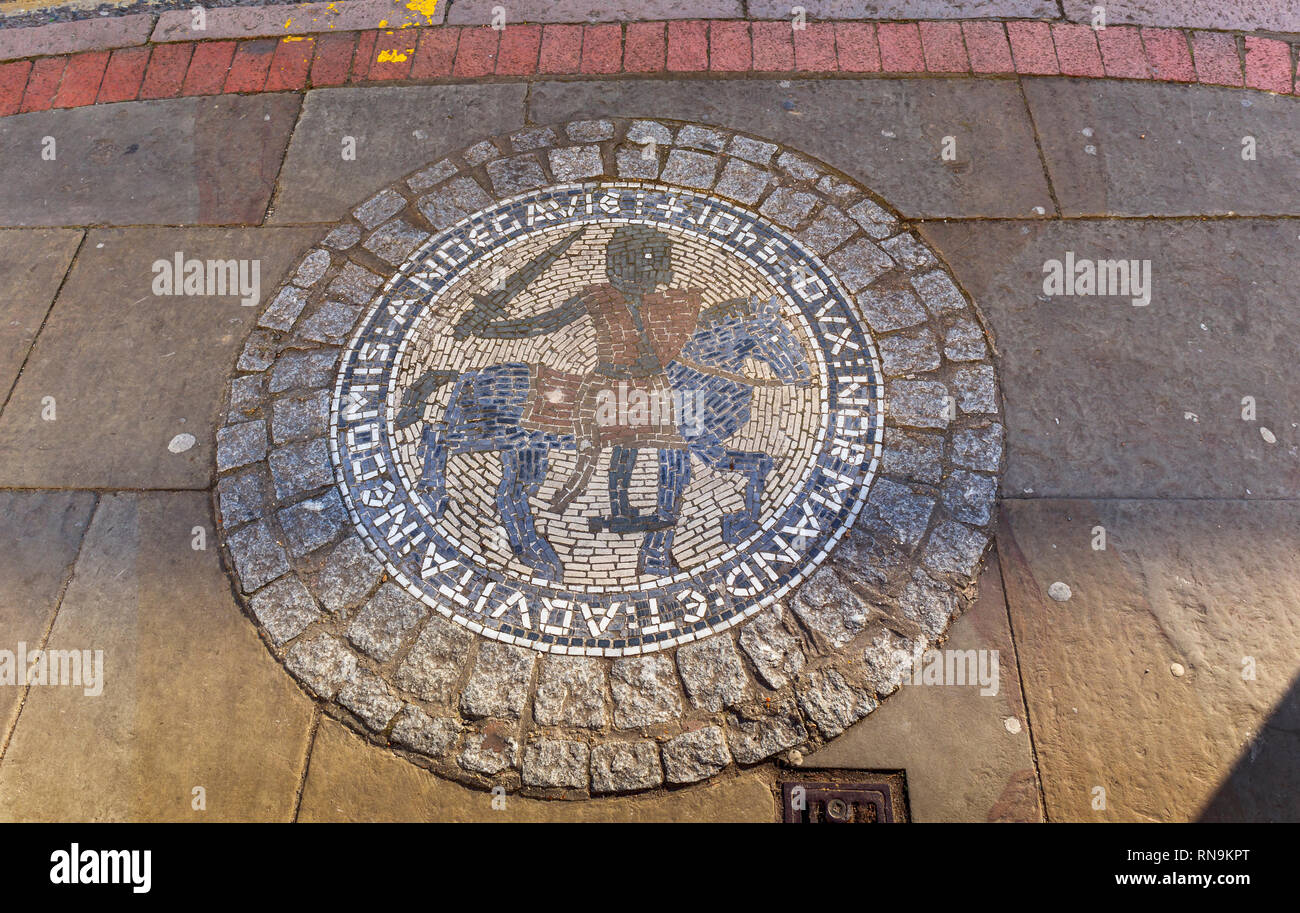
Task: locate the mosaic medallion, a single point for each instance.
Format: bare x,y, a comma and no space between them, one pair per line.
606,455
607,418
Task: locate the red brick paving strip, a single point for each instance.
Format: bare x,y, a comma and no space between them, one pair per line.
435,55
1168,54
944,50
43,83
123,75
1032,48
602,49
986,43
251,64
332,60
477,53
398,49
1076,50
290,64
208,67
1268,64
680,45
688,46
1121,52
166,71
900,48
814,48
13,80
561,49
855,47
81,79
773,46
1215,56
363,56
517,55
729,47
645,46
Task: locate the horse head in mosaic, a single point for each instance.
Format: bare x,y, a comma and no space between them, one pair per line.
712,395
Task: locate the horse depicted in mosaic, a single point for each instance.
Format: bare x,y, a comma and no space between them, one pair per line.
503,408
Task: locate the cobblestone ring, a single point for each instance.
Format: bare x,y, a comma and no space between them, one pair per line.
604,455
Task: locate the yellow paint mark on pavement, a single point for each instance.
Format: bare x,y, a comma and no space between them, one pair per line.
425,8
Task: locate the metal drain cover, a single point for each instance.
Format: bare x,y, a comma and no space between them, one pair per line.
841,797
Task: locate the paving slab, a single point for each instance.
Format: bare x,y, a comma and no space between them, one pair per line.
906,9
351,780
296,19
1104,399
191,698
479,12
966,754
1207,585
1138,149
68,37
32,265
202,160
1245,15
129,370
396,129
892,142
39,538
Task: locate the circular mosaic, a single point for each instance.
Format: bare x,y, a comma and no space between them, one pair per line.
606,456
607,418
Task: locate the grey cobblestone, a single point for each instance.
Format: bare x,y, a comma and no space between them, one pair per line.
618,767
830,609
284,310
257,556
431,736
693,756
311,524
758,731
347,573
573,163
556,763
385,620
285,609
299,468
773,650
713,673
690,169
831,702
322,663
369,698
498,684
239,445
433,665
742,182
913,455
571,692
379,207
645,691
515,175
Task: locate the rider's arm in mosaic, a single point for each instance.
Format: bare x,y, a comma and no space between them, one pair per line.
489,320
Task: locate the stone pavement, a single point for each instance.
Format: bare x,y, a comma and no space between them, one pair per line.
1152,452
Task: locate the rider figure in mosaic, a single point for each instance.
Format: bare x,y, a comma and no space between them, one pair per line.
626,403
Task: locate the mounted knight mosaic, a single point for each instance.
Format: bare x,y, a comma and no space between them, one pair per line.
605,455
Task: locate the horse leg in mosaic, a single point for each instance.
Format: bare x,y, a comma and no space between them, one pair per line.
432,484
523,471
623,517
656,549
